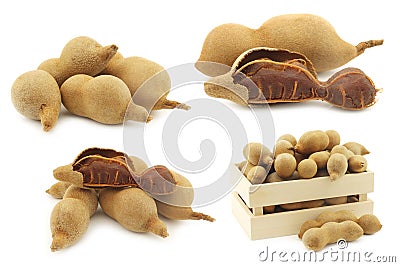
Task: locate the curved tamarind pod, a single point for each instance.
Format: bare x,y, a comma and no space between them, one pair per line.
255,78
317,238
81,55
307,34
368,222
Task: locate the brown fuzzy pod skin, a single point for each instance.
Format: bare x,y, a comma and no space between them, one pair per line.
327,216
183,194
337,166
223,45
257,153
36,95
334,138
81,55
288,137
357,163
88,196
341,150
133,209
307,34
67,174
257,175
69,225
370,224
105,99
321,158
307,168
356,148
283,146
153,81
314,37
176,206
58,189
336,216
285,165
317,238
69,221
312,141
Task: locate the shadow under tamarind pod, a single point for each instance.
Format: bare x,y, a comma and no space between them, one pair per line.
289,78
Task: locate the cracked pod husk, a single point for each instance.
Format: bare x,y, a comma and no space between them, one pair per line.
264,75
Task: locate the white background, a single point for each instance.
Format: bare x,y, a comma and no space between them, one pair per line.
172,33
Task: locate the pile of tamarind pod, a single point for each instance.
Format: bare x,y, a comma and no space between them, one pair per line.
132,207
329,227
93,81
315,154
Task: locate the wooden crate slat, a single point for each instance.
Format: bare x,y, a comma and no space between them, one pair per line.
286,223
362,197
241,213
303,190
258,211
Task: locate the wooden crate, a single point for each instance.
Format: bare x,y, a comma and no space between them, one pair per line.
248,201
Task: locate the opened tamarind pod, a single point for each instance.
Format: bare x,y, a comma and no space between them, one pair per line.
99,168
268,75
